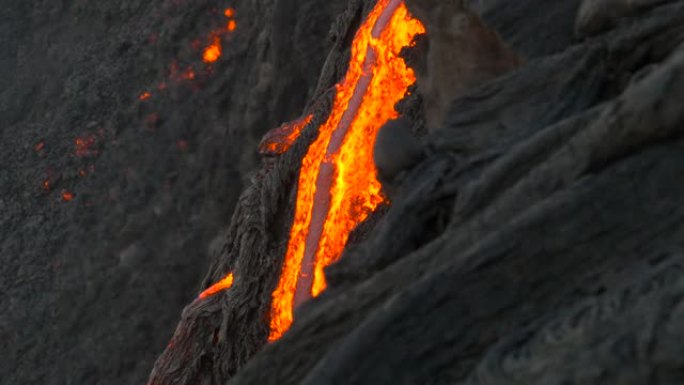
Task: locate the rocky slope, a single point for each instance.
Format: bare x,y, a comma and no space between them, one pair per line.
540,240
91,288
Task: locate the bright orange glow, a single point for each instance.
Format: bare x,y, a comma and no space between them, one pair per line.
67,196
337,186
229,12
223,284
231,26
213,52
279,140
144,96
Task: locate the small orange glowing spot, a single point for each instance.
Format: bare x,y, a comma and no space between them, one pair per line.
145,96
39,146
229,12
223,284
83,146
213,52
46,184
232,25
82,173
67,196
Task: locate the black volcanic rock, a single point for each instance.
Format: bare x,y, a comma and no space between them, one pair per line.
539,241
91,289
542,240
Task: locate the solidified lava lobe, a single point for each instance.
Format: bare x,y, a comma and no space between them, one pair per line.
279,140
337,186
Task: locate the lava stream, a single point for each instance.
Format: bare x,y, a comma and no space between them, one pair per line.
223,284
337,186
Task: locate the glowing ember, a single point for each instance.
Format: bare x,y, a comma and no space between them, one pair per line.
279,140
84,146
46,184
231,26
337,186
213,52
40,146
223,284
145,96
67,196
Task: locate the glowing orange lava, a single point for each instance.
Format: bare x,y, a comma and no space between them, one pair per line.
223,284
145,96
337,186
231,26
67,196
213,52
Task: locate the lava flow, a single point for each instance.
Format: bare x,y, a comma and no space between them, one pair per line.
337,187
223,284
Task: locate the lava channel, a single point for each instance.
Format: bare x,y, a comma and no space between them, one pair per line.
337,186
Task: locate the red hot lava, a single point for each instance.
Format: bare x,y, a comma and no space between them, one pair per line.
337,187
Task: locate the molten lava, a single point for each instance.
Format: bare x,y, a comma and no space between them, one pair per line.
67,196
337,186
223,284
213,52
145,96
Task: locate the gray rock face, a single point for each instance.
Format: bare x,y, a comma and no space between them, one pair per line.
463,53
78,305
599,15
396,149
